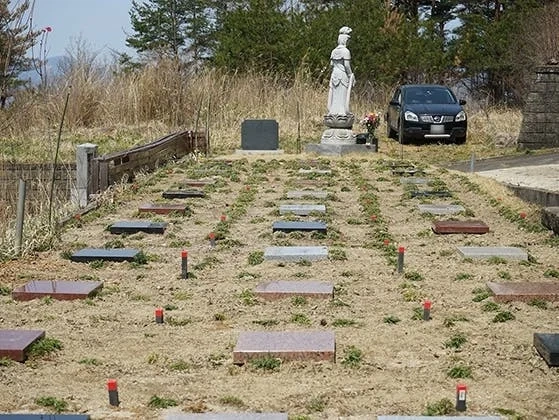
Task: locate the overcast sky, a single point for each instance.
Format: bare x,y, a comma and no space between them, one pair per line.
101,23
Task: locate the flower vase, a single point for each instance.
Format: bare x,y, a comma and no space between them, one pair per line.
373,140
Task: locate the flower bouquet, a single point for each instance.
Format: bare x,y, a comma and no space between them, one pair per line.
371,121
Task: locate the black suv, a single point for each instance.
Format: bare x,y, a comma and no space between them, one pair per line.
426,112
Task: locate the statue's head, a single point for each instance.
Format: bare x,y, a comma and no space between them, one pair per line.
344,35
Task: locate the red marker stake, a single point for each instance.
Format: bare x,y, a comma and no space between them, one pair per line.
373,218
401,251
211,236
427,310
184,264
159,316
522,215
386,242
113,392
223,218
461,397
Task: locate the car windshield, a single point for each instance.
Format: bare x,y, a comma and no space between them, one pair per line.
428,95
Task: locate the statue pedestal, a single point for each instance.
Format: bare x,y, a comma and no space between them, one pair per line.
337,136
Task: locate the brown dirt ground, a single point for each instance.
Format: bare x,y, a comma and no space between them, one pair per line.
404,366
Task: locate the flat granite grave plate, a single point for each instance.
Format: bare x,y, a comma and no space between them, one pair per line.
135,226
45,417
282,289
302,209
524,292
506,252
315,171
415,181
226,416
457,226
162,208
198,182
105,254
183,194
57,289
439,418
440,208
296,253
429,193
286,345
281,226
307,193
15,343
547,346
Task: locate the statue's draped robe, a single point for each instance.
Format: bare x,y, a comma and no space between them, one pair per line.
339,82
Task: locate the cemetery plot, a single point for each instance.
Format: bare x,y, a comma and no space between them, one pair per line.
296,253
458,226
506,252
281,226
57,289
161,208
135,226
440,208
105,254
525,292
292,345
302,209
198,182
226,416
282,289
307,194
547,346
183,194
14,344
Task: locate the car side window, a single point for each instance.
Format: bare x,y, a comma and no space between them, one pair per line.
397,96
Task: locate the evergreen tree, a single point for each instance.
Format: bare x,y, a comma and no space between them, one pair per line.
177,28
16,37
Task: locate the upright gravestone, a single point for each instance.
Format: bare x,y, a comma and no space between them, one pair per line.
540,122
260,136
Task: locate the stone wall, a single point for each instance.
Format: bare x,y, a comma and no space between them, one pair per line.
540,123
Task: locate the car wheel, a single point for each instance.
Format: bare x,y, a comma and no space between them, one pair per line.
460,140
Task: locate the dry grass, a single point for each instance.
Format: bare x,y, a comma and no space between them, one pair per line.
119,110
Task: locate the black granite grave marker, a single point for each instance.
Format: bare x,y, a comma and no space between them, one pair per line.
281,226
259,135
183,194
547,346
134,226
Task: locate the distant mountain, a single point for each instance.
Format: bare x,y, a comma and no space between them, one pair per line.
52,69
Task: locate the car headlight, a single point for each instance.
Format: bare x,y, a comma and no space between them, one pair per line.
410,116
461,116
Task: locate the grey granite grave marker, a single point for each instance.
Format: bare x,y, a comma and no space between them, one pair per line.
281,289
296,253
415,181
226,416
105,254
315,171
259,135
440,208
547,346
508,253
134,226
307,194
281,226
286,345
183,194
302,209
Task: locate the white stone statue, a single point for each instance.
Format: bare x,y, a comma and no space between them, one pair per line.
342,78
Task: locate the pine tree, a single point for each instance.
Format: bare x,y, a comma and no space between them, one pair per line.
16,37
177,28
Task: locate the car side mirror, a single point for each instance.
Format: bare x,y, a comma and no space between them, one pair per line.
394,103
462,102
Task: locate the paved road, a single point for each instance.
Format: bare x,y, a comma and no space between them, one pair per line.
534,178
